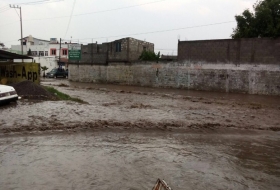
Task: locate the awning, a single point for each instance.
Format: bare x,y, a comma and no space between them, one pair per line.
9,55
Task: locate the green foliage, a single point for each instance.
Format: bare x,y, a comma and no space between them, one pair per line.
149,56
44,68
62,96
263,22
2,44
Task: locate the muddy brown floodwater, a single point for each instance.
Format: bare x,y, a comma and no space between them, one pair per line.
132,161
126,137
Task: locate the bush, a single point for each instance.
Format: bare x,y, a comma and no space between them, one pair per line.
149,56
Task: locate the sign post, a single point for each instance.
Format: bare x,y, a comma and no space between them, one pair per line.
74,52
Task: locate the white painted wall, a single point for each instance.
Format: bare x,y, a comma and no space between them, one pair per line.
49,62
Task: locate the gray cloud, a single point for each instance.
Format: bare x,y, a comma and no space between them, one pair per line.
113,19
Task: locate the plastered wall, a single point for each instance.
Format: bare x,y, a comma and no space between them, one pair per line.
252,79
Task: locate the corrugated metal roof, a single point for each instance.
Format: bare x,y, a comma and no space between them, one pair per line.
9,55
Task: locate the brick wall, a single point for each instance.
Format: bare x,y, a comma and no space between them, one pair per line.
249,50
260,79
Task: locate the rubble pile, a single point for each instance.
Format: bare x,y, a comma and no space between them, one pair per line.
30,90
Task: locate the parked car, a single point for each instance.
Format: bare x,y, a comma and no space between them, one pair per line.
57,72
7,94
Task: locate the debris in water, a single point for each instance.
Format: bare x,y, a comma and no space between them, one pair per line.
161,185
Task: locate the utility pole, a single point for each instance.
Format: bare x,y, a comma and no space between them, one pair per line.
59,53
18,7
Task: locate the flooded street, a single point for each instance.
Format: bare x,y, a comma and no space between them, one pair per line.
127,137
125,107
123,160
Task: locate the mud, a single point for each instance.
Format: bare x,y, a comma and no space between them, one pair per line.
30,90
127,137
123,160
122,107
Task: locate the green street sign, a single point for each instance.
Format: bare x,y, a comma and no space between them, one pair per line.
74,52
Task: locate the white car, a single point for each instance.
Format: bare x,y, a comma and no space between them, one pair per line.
7,94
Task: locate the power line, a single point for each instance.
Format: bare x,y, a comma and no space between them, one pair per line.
159,31
70,18
17,12
40,2
96,12
2,11
10,23
33,2
4,7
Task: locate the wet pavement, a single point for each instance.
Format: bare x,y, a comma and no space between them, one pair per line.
131,161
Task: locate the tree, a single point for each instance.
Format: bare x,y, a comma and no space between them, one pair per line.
149,56
44,68
264,21
2,44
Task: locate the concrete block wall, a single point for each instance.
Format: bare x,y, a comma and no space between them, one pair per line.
131,50
136,48
249,50
94,53
193,76
113,55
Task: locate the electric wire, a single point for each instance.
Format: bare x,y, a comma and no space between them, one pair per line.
96,12
17,13
39,2
153,32
159,31
46,2
4,7
70,18
4,10
33,2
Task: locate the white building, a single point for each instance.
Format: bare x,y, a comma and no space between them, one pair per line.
44,52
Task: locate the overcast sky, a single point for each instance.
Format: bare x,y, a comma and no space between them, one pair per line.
161,22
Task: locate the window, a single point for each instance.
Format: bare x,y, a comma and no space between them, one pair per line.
34,53
41,53
64,51
53,51
118,47
46,53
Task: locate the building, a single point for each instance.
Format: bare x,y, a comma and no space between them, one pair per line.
49,53
124,50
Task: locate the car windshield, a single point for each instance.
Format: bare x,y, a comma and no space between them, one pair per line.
53,70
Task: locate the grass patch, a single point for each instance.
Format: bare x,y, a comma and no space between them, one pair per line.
62,96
